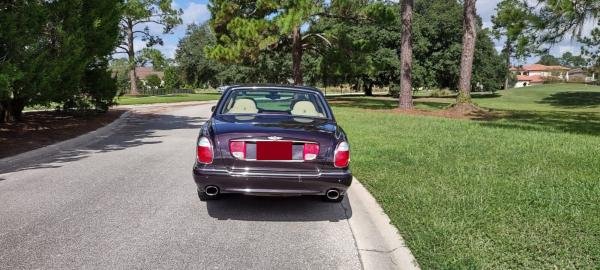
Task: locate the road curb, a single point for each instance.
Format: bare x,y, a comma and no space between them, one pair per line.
379,244
80,140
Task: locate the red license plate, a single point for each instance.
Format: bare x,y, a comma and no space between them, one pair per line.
273,150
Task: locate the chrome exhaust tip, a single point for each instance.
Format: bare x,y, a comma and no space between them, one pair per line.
211,190
332,194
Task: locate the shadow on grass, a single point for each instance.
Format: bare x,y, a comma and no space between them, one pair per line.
569,122
432,105
371,103
477,95
386,103
573,100
557,121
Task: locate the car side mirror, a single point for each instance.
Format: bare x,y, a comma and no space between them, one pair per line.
212,109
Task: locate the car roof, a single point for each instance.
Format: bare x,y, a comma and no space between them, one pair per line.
283,86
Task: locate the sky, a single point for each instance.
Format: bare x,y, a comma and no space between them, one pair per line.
196,11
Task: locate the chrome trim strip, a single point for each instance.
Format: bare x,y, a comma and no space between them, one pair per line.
233,173
273,174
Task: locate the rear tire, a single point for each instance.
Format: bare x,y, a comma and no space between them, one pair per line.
339,199
204,197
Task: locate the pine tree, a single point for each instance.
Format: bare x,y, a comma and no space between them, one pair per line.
143,12
245,28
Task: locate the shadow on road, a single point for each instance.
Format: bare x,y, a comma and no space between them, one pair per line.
259,208
137,130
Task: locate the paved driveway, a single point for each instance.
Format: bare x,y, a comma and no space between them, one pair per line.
129,201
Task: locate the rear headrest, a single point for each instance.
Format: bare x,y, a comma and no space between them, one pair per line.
244,105
305,108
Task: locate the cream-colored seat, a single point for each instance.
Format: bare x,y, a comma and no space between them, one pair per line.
243,105
305,108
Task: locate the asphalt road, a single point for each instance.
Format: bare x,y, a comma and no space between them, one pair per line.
129,201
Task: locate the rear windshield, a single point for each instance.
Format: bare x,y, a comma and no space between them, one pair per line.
274,101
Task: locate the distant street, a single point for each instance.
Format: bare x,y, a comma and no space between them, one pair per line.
129,201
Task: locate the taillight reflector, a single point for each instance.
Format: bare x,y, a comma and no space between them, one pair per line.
311,150
342,155
238,149
205,151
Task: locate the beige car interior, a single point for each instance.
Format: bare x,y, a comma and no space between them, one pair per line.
244,105
305,108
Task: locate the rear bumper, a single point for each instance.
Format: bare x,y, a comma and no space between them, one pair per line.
271,183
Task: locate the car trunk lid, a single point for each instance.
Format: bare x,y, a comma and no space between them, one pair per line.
274,143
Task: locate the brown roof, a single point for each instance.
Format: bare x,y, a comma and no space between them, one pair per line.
532,79
143,72
538,67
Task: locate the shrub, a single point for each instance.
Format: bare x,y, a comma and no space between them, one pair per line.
441,93
100,87
552,79
153,81
394,90
172,78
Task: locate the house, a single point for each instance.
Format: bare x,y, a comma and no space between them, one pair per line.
580,75
534,74
525,80
576,75
143,73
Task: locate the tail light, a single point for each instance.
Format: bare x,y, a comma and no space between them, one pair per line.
238,149
311,150
205,151
342,155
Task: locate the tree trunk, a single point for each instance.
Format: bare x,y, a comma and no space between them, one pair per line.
406,56
2,112
508,53
468,51
131,53
368,88
12,110
297,56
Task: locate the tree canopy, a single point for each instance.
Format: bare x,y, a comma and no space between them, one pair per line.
142,13
548,60
56,51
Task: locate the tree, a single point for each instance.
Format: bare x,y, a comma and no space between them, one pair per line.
468,51
512,20
566,19
137,13
405,101
153,56
196,67
548,60
56,51
364,51
172,78
489,71
245,28
570,60
365,37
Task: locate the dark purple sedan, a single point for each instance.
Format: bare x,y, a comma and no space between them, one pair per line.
272,140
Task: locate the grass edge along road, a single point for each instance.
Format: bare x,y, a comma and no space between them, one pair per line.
485,194
172,98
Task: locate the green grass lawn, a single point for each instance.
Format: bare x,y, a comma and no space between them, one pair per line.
135,100
520,192
551,97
